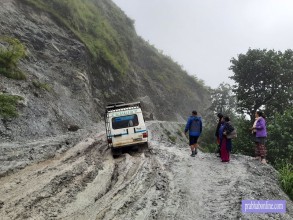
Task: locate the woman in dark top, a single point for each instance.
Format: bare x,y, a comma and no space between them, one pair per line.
225,143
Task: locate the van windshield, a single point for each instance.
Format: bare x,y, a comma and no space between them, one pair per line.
124,121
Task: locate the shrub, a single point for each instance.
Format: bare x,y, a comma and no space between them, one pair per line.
8,105
9,58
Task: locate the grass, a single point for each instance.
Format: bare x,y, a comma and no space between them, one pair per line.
44,86
179,132
9,58
172,138
89,23
8,105
110,37
286,178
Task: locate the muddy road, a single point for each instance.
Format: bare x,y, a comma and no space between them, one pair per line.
81,180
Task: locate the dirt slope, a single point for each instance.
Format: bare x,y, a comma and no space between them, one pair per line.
84,181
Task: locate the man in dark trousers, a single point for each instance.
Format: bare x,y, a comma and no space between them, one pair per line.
194,126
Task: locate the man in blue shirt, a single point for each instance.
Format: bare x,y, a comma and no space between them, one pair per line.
194,126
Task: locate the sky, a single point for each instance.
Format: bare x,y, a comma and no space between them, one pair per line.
203,35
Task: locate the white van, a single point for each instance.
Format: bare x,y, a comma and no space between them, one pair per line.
125,125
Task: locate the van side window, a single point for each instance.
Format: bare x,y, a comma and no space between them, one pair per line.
124,121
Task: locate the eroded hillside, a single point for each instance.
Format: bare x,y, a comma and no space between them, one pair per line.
69,80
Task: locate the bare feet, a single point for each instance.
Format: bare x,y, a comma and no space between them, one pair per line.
263,161
256,158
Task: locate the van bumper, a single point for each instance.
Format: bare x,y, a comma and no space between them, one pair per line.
121,144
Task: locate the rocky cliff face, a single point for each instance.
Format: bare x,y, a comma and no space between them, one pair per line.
54,57
77,88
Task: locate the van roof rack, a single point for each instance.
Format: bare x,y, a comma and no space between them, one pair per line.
119,105
116,103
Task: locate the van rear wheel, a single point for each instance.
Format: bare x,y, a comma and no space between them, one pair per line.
116,152
143,147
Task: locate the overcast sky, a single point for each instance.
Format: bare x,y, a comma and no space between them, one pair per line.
203,35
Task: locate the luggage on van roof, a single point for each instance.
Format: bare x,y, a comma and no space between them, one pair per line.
120,105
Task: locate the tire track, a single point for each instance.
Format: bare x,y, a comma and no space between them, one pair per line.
43,189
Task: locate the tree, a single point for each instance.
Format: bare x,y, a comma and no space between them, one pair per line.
280,138
223,100
264,79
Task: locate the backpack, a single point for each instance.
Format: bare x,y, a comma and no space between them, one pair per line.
232,134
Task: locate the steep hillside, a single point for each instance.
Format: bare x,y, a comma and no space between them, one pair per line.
81,55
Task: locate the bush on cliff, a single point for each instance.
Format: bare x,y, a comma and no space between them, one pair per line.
9,57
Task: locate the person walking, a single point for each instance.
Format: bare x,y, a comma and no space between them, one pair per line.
225,143
260,136
194,126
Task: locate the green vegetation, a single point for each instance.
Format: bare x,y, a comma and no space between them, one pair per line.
280,138
8,105
110,37
179,132
172,138
9,58
40,85
89,22
167,132
286,178
263,81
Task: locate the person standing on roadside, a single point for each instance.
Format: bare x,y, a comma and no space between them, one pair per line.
225,143
260,136
194,126
218,150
